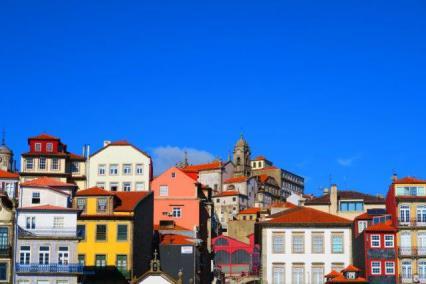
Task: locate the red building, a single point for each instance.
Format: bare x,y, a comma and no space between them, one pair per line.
375,248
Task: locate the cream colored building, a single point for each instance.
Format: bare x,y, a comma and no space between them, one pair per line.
345,203
120,166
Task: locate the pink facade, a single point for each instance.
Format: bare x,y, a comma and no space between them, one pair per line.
176,198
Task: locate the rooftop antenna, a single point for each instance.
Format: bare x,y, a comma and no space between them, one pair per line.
186,159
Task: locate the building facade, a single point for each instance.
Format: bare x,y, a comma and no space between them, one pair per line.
120,166
300,244
48,156
7,233
9,184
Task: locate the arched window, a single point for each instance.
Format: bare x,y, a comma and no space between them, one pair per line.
240,257
221,257
221,242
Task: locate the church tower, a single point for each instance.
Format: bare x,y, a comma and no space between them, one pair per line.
6,156
242,158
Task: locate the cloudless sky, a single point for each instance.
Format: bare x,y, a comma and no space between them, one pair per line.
322,88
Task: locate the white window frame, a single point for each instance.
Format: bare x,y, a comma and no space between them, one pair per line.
164,190
139,169
364,225
372,241
26,253
49,147
55,164
58,222
113,169
40,163
63,255
140,186
373,267
392,241
391,267
127,169
101,170
177,212
278,247
127,186
37,147
28,162
44,253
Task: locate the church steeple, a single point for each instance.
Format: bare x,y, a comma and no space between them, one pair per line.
6,155
242,158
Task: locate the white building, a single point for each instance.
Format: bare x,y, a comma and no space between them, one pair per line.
300,244
9,183
120,166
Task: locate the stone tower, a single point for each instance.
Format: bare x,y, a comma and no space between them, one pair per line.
6,156
242,158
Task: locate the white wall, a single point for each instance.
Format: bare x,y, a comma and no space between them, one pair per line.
119,155
327,258
154,279
211,178
44,222
47,196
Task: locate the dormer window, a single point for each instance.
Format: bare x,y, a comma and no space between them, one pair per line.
37,147
81,204
49,147
102,204
350,275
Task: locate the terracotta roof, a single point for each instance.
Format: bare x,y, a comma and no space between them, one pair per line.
252,210
332,274
4,174
409,180
342,279
193,175
94,191
175,227
282,204
48,208
364,216
129,200
47,182
76,157
228,193
305,215
204,167
171,239
236,179
44,136
347,195
259,158
351,268
381,227
268,168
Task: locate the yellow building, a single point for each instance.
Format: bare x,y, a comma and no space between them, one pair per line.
116,230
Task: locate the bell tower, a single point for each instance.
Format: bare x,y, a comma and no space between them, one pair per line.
242,158
6,155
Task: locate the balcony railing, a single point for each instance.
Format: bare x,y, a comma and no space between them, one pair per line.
412,251
406,279
411,223
5,251
49,232
49,268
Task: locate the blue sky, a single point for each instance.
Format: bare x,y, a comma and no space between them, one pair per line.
322,88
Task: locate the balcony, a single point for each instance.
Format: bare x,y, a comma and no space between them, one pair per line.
5,251
406,279
411,223
412,252
64,232
49,268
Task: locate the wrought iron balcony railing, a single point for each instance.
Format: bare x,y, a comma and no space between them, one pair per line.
404,222
412,251
49,268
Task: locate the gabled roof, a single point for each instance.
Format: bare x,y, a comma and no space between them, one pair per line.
381,227
228,193
351,268
47,182
252,210
364,216
193,175
346,195
172,239
129,200
120,143
204,167
332,274
409,180
4,174
44,136
94,191
73,156
236,179
282,204
305,216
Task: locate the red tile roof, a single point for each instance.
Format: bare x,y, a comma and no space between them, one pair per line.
76,157
193,175
252,210
44,136
236,179
48,208
228,193
171,239
351,268
4,174
120,142
129,200
409,180
342,279
47,182
381,227
175,227
268,168
306,215
364,216
259,158
204,167
282,204
347,195
332,274
94,191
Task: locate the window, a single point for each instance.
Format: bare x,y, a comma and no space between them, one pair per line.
362,225
37,147
3,271
140,186
406,270
404,213
139,169
121,262
75,167
422,269
113,170
35,198
389,241
411,190
102,204
4,237
278,273
234,199
376,268
62,282
58,222
389,268
278,242
43,255
81,231
63,256
337,266
298,275
100,185
177,212
101,232
351,206
30,222
421,214
173,174
113,186
298,243
55,164
100,260
29,163
42,163
164,190
121,232
49,147
101,170
127,169
317,243
375,241
82,259
337,243
317,274
81,204
24,255
127,186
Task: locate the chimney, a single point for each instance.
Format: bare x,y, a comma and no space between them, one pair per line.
106,142
394,177
333,199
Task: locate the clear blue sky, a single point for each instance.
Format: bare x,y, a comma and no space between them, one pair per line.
320,87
